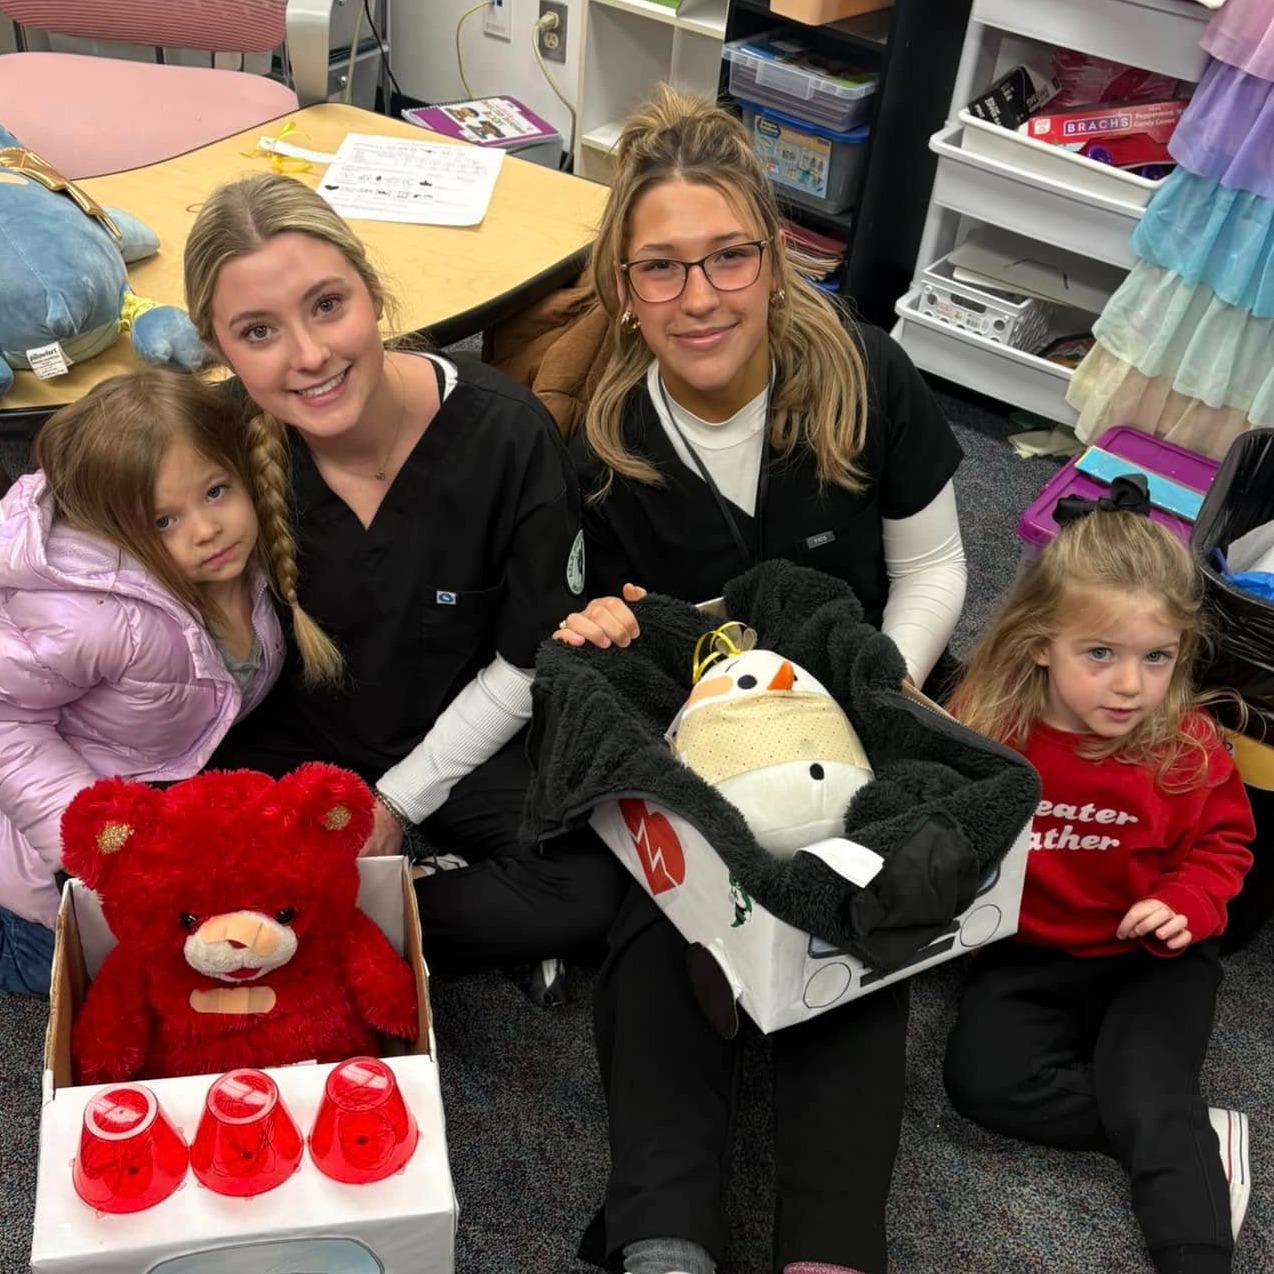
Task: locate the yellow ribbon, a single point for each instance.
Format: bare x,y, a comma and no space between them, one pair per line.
280,163
726,641
132,308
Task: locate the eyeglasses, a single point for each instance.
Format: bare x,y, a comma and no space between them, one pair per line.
731,269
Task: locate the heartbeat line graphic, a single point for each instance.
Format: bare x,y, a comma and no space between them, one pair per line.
658,850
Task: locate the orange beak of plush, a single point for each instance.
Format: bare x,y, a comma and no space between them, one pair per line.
783,678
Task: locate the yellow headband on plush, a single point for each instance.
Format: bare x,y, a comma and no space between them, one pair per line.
726,641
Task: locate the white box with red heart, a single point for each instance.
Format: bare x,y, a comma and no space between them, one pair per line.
779,974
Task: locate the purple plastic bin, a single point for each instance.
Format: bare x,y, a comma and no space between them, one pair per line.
1153,455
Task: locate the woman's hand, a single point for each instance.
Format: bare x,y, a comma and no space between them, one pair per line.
605,621
386,834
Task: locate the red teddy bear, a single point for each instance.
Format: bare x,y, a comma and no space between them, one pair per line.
233,901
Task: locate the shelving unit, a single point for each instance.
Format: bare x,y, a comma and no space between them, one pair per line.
1077,206
914,48
627,47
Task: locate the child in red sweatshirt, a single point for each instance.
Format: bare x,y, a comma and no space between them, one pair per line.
1088,1030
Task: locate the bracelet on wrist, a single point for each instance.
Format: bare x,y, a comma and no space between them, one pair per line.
400,816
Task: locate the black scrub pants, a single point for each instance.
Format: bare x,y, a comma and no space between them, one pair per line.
515,901
1104,1054
672,1088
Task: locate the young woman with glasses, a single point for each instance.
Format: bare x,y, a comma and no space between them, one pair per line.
741,418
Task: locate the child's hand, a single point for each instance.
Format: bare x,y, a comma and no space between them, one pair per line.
1150,916
604,621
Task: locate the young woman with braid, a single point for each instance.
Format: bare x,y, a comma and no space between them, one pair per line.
436,516
134,622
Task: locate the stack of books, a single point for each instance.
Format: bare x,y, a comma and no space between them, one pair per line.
818,257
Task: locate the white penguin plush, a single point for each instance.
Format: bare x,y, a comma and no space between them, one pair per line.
768,736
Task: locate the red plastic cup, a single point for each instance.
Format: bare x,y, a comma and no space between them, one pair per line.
363,1131
131,1157
247,1142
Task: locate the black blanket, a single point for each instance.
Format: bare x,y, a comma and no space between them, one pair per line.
943,809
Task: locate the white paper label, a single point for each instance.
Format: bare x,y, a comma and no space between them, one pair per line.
847,858
48,361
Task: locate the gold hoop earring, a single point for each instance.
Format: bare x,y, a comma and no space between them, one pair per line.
778,298
629,323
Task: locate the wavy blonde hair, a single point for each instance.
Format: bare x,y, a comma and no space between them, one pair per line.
820,389
238,219
101,456
1097,561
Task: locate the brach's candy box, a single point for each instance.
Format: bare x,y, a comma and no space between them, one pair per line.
1126,135
308,1169
776,972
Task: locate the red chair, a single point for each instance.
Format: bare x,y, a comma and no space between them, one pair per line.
88,115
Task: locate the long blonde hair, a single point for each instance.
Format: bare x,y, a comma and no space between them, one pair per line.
820,391
101,456
236,220
1113,554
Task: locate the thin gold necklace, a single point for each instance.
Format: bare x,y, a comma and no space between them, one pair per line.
383,468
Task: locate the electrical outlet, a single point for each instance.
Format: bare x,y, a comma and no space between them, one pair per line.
497,19
553,41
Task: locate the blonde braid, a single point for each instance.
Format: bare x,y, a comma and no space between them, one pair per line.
268,456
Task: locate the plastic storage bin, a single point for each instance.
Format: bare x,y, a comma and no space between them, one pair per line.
812,166
1146,453
788,76
1003,317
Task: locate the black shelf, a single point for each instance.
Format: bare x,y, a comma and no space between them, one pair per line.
916,49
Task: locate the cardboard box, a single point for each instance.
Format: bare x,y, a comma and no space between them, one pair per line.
817,12
779,974
402,1225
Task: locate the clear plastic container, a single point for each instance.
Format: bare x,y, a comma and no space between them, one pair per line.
812,166
785,74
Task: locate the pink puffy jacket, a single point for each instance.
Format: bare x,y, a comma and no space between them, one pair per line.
101,672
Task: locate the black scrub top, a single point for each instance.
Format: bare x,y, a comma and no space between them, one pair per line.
473,552
673,539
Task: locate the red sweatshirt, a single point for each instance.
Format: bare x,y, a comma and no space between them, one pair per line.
1106,834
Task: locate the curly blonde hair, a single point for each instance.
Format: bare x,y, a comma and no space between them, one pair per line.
238,219
1103,556
820,390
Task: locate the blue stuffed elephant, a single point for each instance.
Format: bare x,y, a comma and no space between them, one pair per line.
64,279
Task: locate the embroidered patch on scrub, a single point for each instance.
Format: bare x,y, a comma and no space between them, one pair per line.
817,541
444,598
575,565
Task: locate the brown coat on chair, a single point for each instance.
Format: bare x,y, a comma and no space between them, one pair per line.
557,348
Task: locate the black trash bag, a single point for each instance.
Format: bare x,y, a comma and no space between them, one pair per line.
1240,499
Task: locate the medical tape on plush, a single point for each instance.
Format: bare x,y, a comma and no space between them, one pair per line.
248,928
233,999
737,736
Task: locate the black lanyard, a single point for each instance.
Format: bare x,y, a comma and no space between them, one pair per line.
749,557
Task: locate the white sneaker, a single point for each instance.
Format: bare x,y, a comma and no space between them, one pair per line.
436,863
1231,1131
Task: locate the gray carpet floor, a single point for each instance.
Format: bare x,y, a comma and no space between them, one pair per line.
526,1124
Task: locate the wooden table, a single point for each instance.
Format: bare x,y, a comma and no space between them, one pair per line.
448,281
